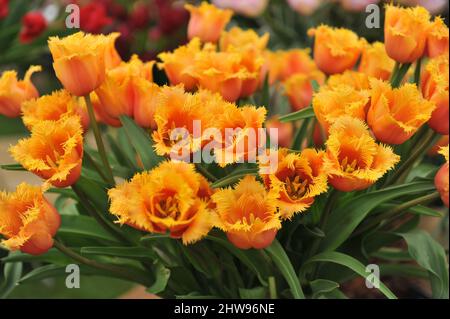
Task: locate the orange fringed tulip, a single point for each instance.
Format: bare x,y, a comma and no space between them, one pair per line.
27,220
112,57
437,40
221,72
332,103
14,92
357,80
281,65
285,131
434,86
177,64
247,214
207,21
298,179
251,47
176,108
169,198
375,62
354,160
127,89
52,108
335,50
405,32
54,151
299,89
79,61
243,145
396,114
441,180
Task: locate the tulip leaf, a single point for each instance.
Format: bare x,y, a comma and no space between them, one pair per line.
202,259
12,273
84,227
431,256
403,270
344,219
347,261
306,113
234,177
139,253
141,143
281,260
250,258
162,275
321,287
53,256
12,167
253,293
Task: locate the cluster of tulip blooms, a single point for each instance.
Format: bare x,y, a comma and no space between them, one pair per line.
356,102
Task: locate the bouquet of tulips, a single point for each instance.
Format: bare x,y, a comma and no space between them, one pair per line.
250,174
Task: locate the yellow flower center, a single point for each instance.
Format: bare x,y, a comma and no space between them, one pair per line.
168,208
348,167
296,188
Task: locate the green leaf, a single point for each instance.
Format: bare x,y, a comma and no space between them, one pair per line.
162,275
253,293
13,167
430,255
305,113
403,270
234,177
202,259
249,258
12,273
51,271
283,264
392,254
322,287
418,210
141,143
84,227
53,256
139,253
347,261
344,219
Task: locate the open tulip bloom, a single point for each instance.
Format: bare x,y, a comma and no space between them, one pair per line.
247,172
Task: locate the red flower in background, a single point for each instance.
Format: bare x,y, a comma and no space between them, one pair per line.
4,9
94,17
140,16
33,24
171,17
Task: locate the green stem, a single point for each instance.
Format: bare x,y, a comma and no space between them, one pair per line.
99,140
398,76
205,172
97,167
118,271
417,72
272,288
105,223
395,211
394,71
419,149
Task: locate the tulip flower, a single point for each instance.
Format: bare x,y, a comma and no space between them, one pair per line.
14,92
28,221
298,179
79,61
331,103
34,24
53,107
405,32
437,40
375,62
112,57
396,114
127,88
354,160
441,178
178,63
304,7
356,80
54,151
249,8
335,50
247,214
207,21
299,88
285,131
4,8
94,17
357,5
169,198
434,85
